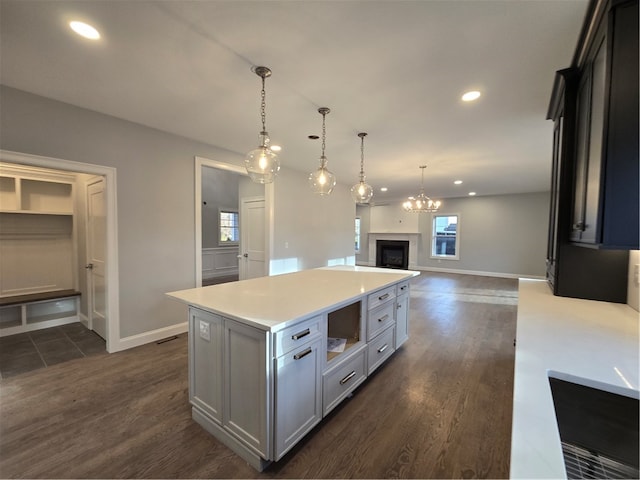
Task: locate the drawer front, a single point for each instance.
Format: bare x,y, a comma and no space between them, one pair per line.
380,349
379,319
381,296
402,287
296,335
341,381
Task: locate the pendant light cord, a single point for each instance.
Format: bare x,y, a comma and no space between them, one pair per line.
362,157
263,107
324,134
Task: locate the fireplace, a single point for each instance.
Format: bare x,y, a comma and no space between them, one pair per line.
392,254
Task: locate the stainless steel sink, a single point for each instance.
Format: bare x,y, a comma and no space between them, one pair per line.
598,426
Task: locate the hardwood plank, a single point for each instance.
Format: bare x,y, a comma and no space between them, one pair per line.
439,408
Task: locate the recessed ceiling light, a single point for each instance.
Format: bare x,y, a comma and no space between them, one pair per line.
471,96
457,182
275,148
471,194
383,189
84,30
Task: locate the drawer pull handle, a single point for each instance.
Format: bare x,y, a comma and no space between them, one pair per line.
299,335
304,353
383,348
403,288
348,377
383,297
382,319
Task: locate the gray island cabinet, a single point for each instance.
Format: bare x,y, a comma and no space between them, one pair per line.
270,357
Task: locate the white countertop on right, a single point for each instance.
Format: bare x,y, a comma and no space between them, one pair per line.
588,339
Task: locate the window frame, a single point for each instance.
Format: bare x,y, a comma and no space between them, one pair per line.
434,237
222,243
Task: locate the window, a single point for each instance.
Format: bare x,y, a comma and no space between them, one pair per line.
357,234
445,237
229,227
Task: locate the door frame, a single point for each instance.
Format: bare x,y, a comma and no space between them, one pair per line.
200,163
109,175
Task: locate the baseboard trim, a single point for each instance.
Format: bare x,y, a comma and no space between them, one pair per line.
467,272
148,337
480,273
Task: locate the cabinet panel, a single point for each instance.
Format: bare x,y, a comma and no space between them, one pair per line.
621,207
298,394
205,362
402,319
594,162
342,380
380,318
381,296
380,349
245,384
292,337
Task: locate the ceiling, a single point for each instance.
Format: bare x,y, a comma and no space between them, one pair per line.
392,68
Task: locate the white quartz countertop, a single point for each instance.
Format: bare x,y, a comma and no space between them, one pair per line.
272,303
596,341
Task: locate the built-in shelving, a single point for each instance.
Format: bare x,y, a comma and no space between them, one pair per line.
344,324
31,312
37,246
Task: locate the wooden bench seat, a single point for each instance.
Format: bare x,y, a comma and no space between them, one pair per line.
37,297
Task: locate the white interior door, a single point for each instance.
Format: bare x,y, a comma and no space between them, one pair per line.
96,256
252,238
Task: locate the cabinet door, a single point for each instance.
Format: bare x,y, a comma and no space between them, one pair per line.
205,362
594,163
402,319
582,151
245,386
298,394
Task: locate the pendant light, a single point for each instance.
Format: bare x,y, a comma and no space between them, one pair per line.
361,192
421,203
322,180
262,164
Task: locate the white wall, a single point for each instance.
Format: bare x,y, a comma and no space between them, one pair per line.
364,212
155,195
501,234
155,179
310,230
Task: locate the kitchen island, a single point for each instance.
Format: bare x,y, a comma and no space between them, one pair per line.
270,357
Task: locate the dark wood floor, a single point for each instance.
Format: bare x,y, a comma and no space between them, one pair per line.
440,408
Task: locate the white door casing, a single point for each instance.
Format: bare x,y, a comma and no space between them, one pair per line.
252,238
96,256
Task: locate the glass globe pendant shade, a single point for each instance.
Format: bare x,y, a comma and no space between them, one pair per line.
361,192
322,181
262,163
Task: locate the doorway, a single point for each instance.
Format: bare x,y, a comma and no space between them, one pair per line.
110,292
260,230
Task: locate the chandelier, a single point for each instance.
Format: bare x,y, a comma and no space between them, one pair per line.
361,192
322,180
421,203
262,163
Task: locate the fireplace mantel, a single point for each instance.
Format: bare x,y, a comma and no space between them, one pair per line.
412,238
